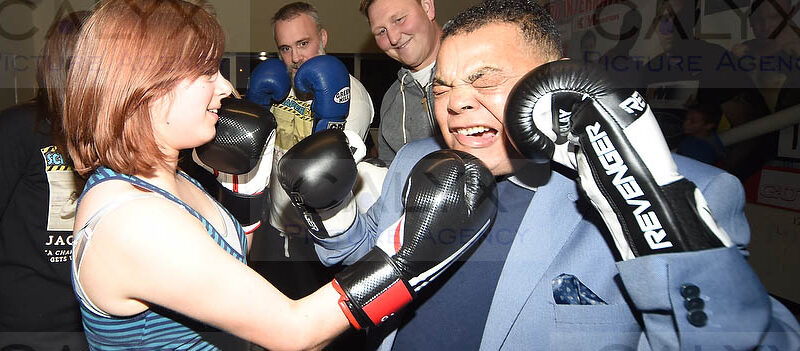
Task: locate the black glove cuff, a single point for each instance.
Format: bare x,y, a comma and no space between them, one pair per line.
373,289
248,209
309,216
692,233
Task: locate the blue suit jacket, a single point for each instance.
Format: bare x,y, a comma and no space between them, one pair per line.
645,310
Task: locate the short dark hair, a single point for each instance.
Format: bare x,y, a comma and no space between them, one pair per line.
536,25
295,9
712,113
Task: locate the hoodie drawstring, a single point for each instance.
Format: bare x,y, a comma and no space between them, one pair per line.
403,97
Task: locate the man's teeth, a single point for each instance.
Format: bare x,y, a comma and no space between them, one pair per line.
472,130
213,110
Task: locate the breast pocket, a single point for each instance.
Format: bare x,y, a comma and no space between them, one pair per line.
596,327
592,314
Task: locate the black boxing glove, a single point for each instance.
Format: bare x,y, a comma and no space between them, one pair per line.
318,173
448,193
572,113
240,157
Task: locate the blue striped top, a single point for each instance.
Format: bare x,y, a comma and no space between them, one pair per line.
156,328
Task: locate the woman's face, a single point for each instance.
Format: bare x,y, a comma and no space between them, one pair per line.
185,118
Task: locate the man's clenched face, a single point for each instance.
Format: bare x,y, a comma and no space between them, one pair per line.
475,73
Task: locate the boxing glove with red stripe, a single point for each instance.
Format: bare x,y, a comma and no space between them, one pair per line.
448,194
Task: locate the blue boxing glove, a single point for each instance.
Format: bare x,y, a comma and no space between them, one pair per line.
269,83
327,79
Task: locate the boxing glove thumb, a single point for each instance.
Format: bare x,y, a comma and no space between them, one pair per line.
269,83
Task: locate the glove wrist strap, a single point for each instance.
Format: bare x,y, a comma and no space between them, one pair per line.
372,290
310,216
248,209
693,233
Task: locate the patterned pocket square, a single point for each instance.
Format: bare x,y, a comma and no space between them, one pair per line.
568,290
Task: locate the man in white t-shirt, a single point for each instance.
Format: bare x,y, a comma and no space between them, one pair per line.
284,254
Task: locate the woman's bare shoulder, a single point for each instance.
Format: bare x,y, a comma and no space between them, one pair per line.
150,208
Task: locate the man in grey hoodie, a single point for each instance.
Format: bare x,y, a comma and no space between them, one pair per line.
408,32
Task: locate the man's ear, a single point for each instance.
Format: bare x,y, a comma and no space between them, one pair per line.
323,37
429,7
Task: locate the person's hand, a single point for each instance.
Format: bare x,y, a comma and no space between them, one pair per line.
327,79
450,200
573,114
240,157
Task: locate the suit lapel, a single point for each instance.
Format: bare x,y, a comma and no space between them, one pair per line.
549,221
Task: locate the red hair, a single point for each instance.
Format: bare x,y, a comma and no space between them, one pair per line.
129,54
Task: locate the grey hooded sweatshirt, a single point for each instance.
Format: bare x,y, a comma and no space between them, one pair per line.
406,115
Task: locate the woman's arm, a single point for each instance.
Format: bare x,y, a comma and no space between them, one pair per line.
151,251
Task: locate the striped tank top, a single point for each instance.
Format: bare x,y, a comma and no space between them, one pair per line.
156,328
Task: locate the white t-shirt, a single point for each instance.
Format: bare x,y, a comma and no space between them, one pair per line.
423,76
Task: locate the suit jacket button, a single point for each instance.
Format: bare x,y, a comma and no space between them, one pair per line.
698,318
689,291
694,304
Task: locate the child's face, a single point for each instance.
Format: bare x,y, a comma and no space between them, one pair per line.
695,124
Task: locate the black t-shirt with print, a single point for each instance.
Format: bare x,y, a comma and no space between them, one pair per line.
37,192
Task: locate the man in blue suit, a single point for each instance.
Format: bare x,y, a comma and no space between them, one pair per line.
549,274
